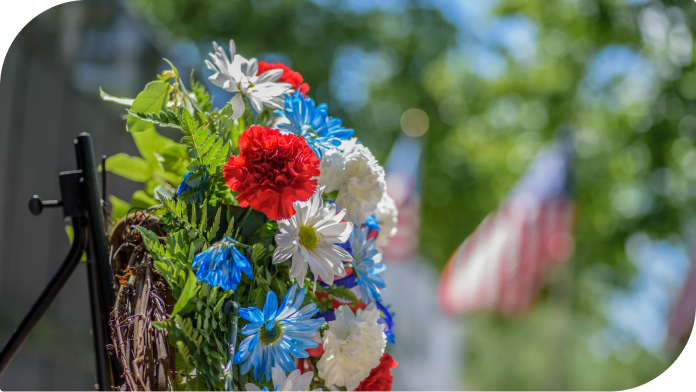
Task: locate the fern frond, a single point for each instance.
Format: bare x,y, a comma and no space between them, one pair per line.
180,213
257,252
165,118
216,225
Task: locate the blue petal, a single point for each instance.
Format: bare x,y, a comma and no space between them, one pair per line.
269,309
252,314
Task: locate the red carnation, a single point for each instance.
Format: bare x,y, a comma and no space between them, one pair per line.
380,378
289,76
272,171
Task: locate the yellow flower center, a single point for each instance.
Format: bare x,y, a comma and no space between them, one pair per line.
268,337
308,237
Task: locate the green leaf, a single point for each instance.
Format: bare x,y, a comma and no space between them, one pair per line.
216,225
341,292
148,142
166,191
121,101
257,252
174,159
253,222
70,232
164,118
119,208
176,71
184,304
142,199
152,99
147,234
133,168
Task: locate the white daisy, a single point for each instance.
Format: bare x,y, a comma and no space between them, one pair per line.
358,178
239,76
309,237
353,345
386,215
296,381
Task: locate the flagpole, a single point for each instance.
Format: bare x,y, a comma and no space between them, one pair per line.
561,293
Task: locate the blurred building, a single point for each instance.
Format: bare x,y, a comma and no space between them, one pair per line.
48,95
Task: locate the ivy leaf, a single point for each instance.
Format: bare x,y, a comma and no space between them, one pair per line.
133,168
152,99
184,304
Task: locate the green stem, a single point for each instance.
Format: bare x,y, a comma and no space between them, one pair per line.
232,312
242,219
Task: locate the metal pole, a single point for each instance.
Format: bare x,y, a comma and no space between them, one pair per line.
47,296
99,272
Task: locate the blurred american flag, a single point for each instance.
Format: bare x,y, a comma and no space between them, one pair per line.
503,263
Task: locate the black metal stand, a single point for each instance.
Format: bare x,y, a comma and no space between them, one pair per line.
81,202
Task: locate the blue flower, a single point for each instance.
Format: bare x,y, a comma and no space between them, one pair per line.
372,222
222,265
367,265
388,320
319,130
198,184
277,334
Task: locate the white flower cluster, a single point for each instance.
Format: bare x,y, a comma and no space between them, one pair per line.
353,345
357,177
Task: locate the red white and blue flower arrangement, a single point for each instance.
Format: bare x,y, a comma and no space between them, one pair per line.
273,219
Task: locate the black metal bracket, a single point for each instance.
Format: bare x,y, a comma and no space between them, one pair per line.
82,202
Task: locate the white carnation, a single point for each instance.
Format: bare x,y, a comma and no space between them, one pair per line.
353,345
386,215
331,168
357,176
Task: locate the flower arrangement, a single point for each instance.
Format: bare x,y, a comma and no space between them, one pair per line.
251,257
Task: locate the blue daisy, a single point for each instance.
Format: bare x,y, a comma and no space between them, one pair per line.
277,335
222,265
198,184
311,122
367,265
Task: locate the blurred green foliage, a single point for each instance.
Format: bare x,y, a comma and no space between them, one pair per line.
634,125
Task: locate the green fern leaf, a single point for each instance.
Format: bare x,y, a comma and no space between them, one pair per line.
216,225
165,118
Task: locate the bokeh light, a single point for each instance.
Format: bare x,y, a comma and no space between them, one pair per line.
415,122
